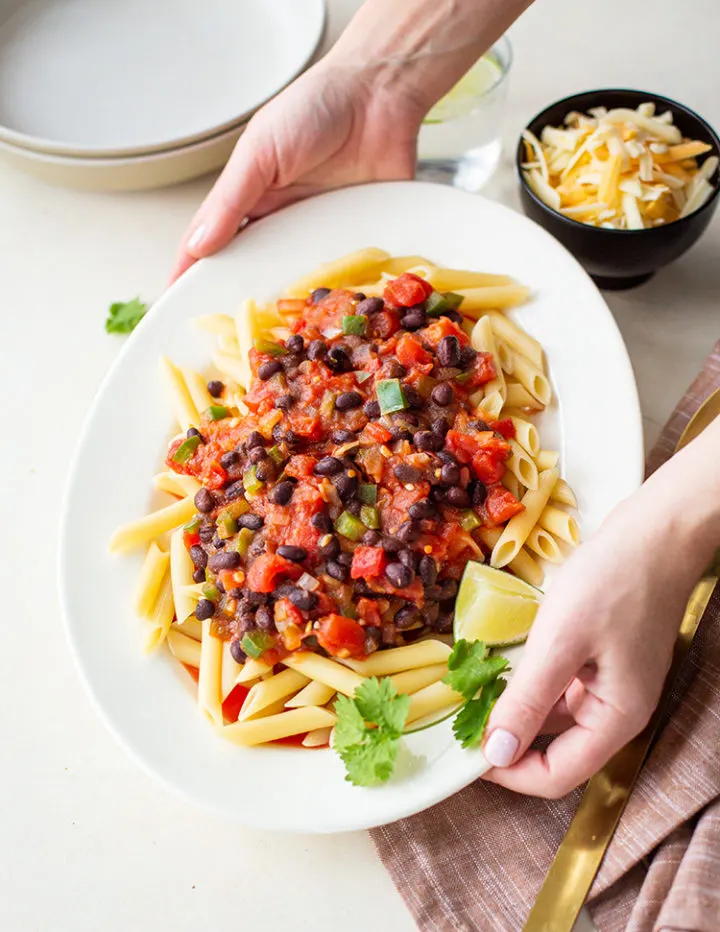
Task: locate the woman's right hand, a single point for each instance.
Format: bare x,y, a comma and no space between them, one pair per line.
336,125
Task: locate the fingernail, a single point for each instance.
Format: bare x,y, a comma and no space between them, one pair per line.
197,237
501,748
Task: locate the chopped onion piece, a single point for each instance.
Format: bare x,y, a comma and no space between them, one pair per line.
331,332
308,582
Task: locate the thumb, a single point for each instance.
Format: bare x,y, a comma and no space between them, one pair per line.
542,676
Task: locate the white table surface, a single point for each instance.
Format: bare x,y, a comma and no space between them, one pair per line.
88,841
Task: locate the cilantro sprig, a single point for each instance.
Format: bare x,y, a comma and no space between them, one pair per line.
368,730
124,316
472,670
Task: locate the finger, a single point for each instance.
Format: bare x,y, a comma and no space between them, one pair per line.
558,720
540,680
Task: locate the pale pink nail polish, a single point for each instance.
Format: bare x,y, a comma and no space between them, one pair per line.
197,237
501,748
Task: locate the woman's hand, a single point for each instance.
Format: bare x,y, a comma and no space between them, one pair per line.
336,125
602,643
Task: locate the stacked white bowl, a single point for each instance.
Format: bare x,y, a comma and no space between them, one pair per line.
130,95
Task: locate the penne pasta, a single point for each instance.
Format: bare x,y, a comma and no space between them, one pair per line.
181,573
433,698
519,397
505,356
492,404
230,346
239,364
362,265
186,414
274,727
162,616
522,466
399,264
483,340
544,545
230,367
547,459
221,324
318,738
268,692
532,378
413,680
397,659
491,297
314,693
517,529
523,565
144,530
229,671
561,524
152,574
326,671
563,494
191,627
513,484
252,669
209,698
526,435
517,339
197,386
183,648
458,279
176,484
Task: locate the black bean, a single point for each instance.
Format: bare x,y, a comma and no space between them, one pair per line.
388,633
236,651
372,409
321,522
316,350
467,355
215,387
206,532
218,542
372,640
281,493
354,507
194,432
256,548
284,402
337,570
343,436
251,521
457,497
448,351
450,474
219,586
407,558
406,616
291,552
413,397
237,593
449,589
422,509
437,494
224,560
359,296
392,369
408,531
444,622
432,593
414,319
265,470
257,454
257,598
477,491
330,549
319,294
345,558
430,612
254,439
345,401
346,486
236,490
283,590
264,618
392,545
370,306
400,576
302,599
401,433
427,570
479,425
445,457
204,609
440,426
407,473
452,314
295,344
428,440
371,538
328,466
204,501
198,576
198,556
268,369
290,437
229,459
338,359
443,394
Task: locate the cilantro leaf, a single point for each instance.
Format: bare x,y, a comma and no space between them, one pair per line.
369,752
124,316
470,667
471,720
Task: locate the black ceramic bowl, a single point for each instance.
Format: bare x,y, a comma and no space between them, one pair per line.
621,258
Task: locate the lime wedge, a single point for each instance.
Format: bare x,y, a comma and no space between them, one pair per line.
494,607
463,98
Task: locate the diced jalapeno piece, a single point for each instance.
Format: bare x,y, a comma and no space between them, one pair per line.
349,526
210,591
255,643
269,347
226,525
354,324
370,517
217,412
187,449
244,539
251,482
469,521
276,455
367,493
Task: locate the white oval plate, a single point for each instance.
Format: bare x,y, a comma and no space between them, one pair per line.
82,77
148,702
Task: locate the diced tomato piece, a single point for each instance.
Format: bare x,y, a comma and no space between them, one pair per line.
368,562
368,612
204,464
341,636
407,290
300,466
487,467
482,370
505,427
385,324
377,432
193,671
501,505
232,579
265,570
443,327
234,702
190,539
462,446
304,426
410,352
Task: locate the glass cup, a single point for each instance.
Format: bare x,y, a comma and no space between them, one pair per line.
460,139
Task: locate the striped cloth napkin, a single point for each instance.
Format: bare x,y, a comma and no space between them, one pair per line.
475,862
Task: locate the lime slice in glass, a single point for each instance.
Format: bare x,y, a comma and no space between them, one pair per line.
463,98
494,607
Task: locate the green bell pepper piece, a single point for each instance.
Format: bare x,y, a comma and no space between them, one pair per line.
255,643
390,396
349,526
187,449
354,324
